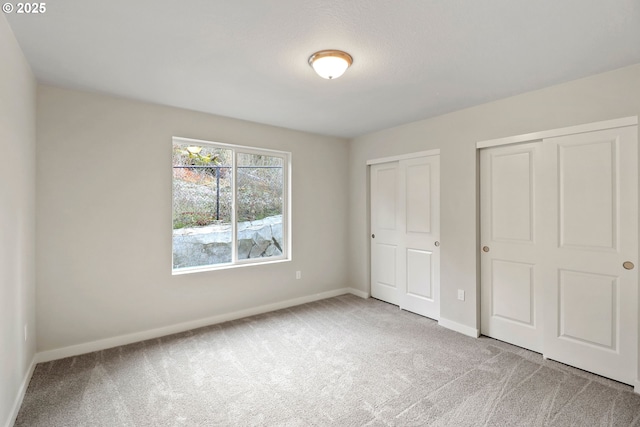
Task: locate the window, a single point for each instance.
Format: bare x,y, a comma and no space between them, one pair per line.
230,205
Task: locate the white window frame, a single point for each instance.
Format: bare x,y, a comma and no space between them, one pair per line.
286,209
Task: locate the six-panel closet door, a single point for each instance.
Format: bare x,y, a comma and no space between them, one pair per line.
405,232
559,236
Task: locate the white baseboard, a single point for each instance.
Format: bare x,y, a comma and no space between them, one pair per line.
458,327
103,344
359,293
636,387
21,392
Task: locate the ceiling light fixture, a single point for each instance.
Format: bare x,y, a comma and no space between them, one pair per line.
330,64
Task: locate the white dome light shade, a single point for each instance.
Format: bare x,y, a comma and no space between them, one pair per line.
330,64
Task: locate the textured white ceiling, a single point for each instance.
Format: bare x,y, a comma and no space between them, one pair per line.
248,58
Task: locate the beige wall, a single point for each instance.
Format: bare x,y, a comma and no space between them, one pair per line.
606,96
104,219
17,219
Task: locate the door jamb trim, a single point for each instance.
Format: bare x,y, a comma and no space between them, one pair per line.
403,157
588,127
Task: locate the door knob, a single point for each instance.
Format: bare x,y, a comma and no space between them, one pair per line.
436,244
373,236
628,265
485,249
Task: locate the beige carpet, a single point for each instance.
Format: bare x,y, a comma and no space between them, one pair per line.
343,361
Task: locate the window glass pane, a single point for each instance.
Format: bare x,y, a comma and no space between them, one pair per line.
259,198
202,205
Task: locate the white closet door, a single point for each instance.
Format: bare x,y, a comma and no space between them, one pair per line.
420,192
405,232
592,299
385,232
559,221
511,274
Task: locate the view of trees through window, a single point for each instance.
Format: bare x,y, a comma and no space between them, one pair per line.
259,186
203,193
201,186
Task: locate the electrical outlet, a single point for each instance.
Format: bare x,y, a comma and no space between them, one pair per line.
460,294
25,332
298,274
